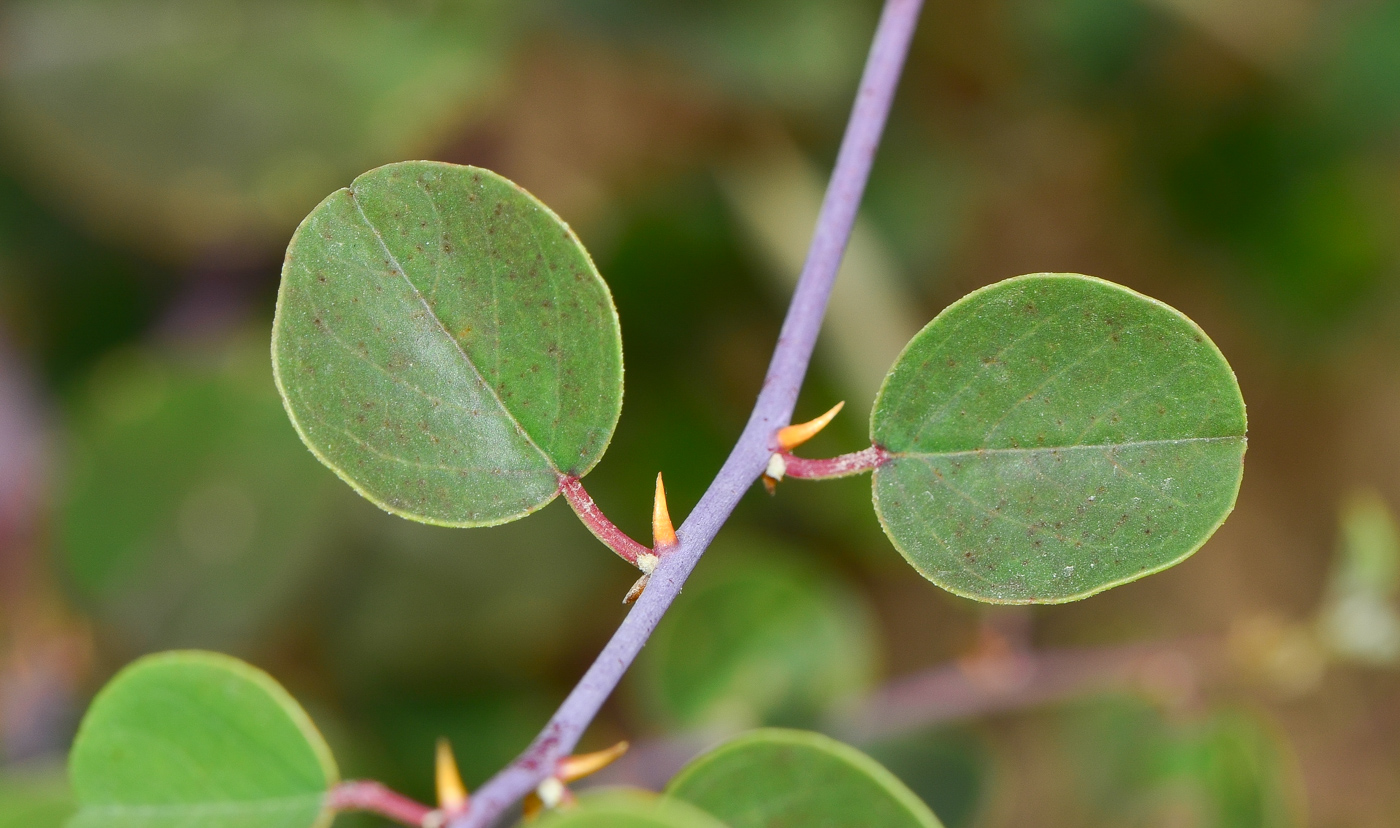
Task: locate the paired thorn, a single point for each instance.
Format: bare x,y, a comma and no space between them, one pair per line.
451,792
790,437
553,792
663,534
663,537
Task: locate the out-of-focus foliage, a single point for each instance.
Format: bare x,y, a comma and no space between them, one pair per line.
950,769
760,637
799,54
1360,618
35,798
1223,770
191,516
216,122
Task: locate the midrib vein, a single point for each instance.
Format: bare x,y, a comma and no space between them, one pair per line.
1083,447
233,806
428,309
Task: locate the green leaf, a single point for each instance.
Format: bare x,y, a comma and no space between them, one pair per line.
38,798
624,808
1055,435
192,738
760,637
792,777
1227,768
191,516
444,343
1359,619
187,126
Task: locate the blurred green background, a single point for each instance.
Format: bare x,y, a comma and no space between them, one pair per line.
1238,159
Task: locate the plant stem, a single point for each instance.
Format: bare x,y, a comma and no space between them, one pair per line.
598,523
827,468
747,461
377,799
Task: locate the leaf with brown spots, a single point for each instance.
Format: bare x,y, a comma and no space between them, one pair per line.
445,344
1055,435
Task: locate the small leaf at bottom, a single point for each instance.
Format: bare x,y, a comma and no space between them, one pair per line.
199,739
792,777
625,808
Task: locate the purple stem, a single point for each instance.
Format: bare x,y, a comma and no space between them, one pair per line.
828,468
750,455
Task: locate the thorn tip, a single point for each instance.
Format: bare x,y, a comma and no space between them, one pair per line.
452,794
574,768
663,534
790,437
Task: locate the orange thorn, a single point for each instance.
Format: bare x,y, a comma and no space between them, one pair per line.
790,437
574,768
452,794
663,534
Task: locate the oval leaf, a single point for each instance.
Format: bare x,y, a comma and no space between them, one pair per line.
1055,435
193,738
792,777
623,808
444,343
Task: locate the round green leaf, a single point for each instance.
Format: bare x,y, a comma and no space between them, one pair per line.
625,808
1055,435
758,638
792,777
444,343
194,738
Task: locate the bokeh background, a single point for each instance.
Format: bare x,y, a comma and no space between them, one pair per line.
1239,159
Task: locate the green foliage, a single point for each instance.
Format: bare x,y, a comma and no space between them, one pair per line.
1053,436
628,809
444,343
950,769
191,515
799,54
790,777
192,124
1359,616
758,638
192,738
34,799
1139,767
